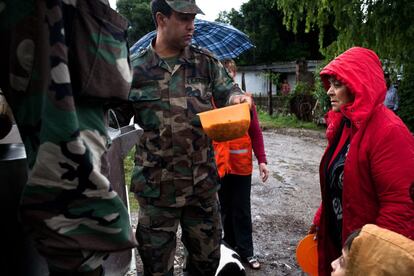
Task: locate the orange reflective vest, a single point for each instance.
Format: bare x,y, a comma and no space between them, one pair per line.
234,157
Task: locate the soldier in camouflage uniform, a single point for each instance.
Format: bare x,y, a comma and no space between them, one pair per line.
175,176
56,56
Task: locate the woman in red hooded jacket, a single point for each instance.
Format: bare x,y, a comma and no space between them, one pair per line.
368,166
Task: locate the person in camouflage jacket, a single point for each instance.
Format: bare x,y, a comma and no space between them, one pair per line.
56,57
175,177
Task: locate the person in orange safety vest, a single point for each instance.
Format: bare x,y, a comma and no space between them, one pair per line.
235,165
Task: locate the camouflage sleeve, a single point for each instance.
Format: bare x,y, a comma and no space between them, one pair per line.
68,202
223,84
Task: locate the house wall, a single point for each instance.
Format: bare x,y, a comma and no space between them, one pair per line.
255,80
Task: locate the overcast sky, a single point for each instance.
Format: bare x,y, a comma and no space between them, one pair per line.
211,8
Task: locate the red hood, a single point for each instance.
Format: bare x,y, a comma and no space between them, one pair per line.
361,71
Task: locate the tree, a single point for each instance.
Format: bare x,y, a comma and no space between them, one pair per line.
406,94
138,12
379,25
262,22
382,26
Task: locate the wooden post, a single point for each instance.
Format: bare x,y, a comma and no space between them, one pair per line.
269,96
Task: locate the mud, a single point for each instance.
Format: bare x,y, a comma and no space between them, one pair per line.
283,207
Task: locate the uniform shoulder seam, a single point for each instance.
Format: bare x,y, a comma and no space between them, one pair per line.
203,51
141,52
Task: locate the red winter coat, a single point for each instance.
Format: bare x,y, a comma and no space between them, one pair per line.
379,167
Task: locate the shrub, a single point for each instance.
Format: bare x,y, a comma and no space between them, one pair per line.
406,94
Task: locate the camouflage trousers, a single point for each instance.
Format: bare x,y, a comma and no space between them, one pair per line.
201,236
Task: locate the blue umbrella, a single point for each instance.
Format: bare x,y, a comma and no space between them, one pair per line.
224,40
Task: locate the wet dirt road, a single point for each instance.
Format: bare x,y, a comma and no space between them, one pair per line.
283,208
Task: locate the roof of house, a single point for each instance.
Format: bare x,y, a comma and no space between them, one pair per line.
281,67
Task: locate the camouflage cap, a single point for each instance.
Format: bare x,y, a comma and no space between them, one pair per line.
184,6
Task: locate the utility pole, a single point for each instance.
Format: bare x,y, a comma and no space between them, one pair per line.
269,94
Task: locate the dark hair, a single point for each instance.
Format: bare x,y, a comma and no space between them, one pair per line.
229,64
162,7
387,79
350,239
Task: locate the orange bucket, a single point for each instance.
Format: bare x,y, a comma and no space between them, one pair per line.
307,255
226,123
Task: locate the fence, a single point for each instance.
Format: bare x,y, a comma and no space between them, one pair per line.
280,104
301,105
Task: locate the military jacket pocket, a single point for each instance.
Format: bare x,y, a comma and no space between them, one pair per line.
98,51
145,181
199,94
148,106
204,166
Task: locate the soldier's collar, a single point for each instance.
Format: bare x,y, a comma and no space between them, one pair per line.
186,56
154,58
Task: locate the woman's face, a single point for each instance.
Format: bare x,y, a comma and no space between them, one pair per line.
339,265
339,94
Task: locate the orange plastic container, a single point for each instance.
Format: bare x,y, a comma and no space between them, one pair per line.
307,255
226,123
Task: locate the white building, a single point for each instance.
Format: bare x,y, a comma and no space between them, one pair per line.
256,81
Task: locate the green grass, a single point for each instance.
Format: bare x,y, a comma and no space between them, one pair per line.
129,166
284,121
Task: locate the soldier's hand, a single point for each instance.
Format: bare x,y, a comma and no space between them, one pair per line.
238,99
5,122
3,109
3,105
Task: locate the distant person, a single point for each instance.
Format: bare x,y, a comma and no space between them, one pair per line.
285,87
367,169
235,165
391,97
375,251
175,179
